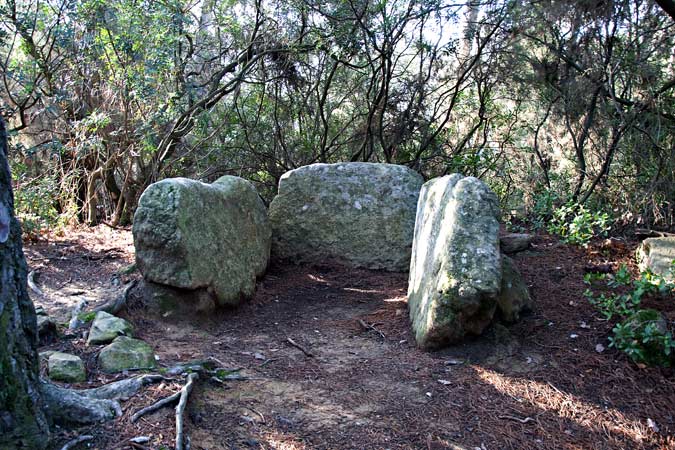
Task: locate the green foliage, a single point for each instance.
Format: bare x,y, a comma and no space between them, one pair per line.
544,205
138,91
644,338
86,317
640,333
35,205
577,225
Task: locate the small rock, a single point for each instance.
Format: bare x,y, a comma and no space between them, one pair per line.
126,353
514,296
444,382
252,442
106,328
66,367
574,336
599,348
515,242
651,424
46,329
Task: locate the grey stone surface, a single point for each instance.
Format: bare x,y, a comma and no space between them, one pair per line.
515,242
359,214
193,235
106,327
657,255
126,353
455,273
66,367
46,329
514,296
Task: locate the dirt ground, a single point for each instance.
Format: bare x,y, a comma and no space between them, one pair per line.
539,384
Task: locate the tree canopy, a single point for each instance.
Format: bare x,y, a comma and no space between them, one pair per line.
551,103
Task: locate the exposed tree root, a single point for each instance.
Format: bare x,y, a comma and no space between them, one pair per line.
68,406
181,441
155,406
77,440
111,306
122,389
91,405
33,285
118,303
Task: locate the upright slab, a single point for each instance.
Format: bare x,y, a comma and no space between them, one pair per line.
455,272
194,235
657,255
360,214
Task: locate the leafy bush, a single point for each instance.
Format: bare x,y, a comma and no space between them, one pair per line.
642,334
35,205
645,338
543,207
577,225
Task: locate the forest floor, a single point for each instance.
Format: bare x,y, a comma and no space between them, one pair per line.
538,384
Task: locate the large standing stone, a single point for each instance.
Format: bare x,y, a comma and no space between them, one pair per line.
126,353
657,255
360,214
107,327
455,273
194,235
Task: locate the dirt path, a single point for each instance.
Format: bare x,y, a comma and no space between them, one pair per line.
528,386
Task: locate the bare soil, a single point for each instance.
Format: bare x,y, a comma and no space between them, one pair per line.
539,384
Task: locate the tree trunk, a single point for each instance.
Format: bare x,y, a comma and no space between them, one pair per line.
22,422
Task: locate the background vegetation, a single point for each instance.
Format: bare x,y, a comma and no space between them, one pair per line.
565,108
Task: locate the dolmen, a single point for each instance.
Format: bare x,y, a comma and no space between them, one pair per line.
216,239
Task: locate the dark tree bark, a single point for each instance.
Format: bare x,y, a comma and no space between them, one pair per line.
668,6
22,422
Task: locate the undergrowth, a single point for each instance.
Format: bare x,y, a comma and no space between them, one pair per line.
641,333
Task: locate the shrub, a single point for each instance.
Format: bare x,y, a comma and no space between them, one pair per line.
35,205
642,334
577,225
645,338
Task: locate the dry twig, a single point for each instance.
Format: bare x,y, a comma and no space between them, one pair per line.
371,327
299,347
517,419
